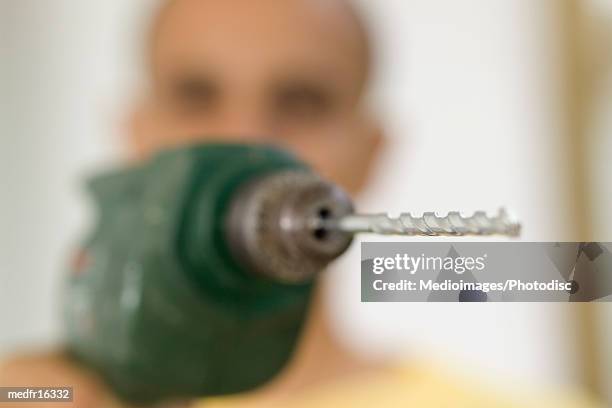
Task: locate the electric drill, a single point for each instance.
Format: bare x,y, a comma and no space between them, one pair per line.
198,275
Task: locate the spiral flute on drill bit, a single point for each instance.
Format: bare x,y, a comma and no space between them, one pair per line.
429,224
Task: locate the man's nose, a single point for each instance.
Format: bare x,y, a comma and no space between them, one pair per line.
242,126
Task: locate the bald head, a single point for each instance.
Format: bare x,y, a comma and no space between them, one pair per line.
333,20
285,72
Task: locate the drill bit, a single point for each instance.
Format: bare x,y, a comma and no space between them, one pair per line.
429,224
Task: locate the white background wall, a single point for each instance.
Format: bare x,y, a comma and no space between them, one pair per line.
467,90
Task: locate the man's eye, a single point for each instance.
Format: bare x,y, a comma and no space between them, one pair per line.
302,102
193,94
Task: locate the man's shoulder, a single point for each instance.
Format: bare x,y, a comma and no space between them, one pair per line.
423,384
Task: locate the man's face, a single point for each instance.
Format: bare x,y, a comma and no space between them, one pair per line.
284,72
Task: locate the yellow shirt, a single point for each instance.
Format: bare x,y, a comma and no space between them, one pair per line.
418,386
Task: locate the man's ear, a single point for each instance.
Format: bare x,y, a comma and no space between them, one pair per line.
367,152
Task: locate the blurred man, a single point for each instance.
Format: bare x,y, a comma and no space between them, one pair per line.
286,72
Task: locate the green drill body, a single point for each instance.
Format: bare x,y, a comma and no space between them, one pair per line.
158,305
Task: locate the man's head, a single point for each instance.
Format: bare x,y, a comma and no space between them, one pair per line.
286,72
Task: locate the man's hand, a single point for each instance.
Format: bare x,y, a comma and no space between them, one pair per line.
55,370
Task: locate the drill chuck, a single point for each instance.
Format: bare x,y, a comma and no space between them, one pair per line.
273,229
